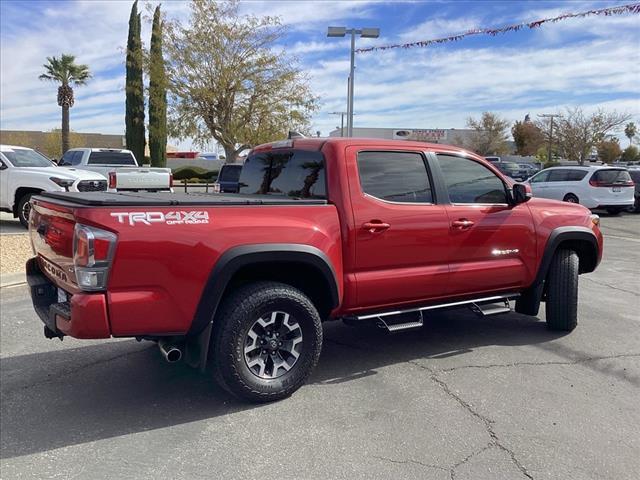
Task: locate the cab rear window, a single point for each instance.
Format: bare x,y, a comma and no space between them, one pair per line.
284,173
111,158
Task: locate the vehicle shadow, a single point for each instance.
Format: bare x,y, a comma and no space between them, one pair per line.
126,387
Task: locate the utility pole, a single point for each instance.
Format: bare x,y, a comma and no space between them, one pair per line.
364,33
342,114
550,116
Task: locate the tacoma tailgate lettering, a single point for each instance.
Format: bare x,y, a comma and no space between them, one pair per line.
170,218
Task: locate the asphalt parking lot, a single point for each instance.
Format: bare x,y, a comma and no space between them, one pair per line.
463,398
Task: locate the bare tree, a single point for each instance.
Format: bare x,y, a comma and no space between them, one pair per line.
227,81
578,133
489,135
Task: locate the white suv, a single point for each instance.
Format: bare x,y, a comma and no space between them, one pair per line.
25,172
610,188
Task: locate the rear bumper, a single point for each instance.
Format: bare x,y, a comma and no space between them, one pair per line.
84,315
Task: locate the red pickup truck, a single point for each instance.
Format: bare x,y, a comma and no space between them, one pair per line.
321,229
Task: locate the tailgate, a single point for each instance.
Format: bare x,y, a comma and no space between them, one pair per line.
133,179
51,230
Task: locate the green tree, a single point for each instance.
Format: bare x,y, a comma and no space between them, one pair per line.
630,131
631,154
528,138
489,135
228,82
52,145
67,73
134,87
157,96
578,132
609,150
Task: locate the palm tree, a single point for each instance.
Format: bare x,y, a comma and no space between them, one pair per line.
65,71
630,131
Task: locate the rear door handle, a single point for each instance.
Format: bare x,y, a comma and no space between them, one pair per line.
374,227
462,224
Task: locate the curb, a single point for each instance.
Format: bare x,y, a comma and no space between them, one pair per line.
12,279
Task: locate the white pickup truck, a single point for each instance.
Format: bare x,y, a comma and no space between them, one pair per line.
121,168
25,172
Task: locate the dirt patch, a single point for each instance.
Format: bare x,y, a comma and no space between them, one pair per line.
15,250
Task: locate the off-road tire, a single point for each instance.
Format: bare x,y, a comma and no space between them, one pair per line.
571,198
562,291
236,315
21,209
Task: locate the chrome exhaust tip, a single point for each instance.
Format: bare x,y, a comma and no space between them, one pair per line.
171,352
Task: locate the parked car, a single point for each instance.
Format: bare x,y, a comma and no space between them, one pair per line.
25,172
228,178
594,187
528,169
634,172
121,168
322,229
512,170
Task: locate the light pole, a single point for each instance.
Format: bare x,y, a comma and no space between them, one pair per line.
550,116
364,33
342,114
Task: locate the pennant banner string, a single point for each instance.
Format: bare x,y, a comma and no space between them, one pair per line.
621,10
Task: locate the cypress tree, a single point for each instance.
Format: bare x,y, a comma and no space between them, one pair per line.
157,96
134,114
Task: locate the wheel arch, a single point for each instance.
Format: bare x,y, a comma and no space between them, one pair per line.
21,192
582,240
302,266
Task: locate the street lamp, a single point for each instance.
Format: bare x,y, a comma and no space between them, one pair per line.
364,33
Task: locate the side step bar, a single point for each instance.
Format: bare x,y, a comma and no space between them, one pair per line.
413,318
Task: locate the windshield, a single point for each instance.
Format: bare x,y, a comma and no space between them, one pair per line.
27,158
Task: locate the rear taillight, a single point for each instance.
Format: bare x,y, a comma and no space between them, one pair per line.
93,250
112,180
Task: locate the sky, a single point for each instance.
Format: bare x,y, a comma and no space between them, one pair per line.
590,62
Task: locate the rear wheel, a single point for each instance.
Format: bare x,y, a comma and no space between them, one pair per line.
571,198
266,342
562,291
24,209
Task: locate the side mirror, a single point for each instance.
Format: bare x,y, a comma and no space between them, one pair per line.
521,193
3,166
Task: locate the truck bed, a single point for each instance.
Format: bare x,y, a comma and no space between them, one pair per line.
142,199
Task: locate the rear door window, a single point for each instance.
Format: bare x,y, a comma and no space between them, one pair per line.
395,176
111,158
284,173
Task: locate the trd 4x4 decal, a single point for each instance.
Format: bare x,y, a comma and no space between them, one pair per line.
169,218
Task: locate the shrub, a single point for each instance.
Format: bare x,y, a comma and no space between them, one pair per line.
194,173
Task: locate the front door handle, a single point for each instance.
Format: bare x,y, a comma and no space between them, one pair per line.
462,224
374,227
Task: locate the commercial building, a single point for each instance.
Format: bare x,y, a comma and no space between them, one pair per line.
449,136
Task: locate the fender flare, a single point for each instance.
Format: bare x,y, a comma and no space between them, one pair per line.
230,262
235,258
564,234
